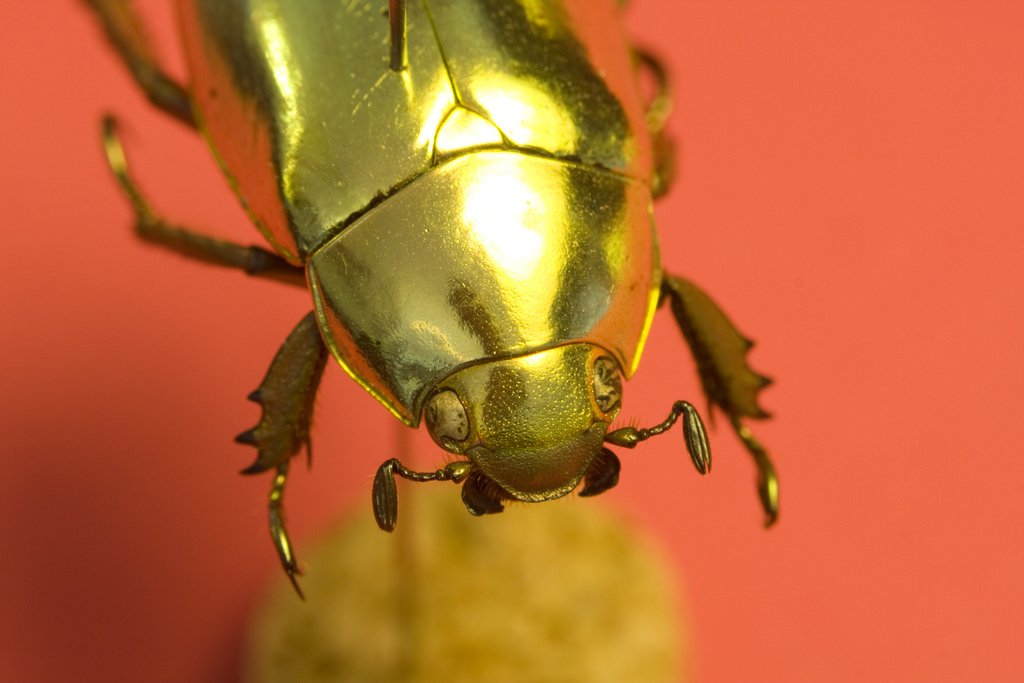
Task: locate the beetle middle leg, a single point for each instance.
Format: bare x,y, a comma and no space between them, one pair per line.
656,117
127,34
286,395
728,381
151,228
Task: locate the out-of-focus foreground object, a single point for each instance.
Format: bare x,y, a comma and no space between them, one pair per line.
561,592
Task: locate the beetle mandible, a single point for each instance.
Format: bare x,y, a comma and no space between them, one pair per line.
465,186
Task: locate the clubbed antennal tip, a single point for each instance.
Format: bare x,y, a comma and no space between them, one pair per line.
385,497
385,492
694,434
696,438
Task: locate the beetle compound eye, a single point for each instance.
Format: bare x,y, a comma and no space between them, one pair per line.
607,384
446,418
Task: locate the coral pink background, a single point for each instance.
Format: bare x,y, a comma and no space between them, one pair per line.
850,190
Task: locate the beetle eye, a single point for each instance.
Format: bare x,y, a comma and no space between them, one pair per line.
607,384
446,418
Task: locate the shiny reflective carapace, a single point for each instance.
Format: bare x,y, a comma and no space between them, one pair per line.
466,188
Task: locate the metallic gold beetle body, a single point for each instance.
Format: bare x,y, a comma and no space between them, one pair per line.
467,186
490,200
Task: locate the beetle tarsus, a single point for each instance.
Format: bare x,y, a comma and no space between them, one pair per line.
767,480
278,532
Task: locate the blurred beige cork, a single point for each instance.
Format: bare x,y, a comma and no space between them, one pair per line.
560,593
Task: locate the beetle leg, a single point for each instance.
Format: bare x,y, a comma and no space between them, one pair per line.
127,34
151,228
658,109
278,532
286,396
728,381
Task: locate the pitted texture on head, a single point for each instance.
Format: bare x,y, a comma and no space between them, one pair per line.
534,421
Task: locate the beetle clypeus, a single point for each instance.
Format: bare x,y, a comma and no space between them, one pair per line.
465,186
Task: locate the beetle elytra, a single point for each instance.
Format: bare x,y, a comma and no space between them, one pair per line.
465,186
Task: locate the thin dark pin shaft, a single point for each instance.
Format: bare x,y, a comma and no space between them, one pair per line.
399,51
408,586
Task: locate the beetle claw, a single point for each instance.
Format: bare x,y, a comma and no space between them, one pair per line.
282,543
293,577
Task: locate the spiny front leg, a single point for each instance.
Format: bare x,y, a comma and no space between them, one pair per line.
286,396
728,381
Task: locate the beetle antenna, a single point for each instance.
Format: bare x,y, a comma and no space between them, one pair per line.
385,493
694,434
399,51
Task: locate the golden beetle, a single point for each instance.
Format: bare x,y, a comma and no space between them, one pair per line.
465,186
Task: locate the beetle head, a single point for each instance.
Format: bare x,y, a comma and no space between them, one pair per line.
531,424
